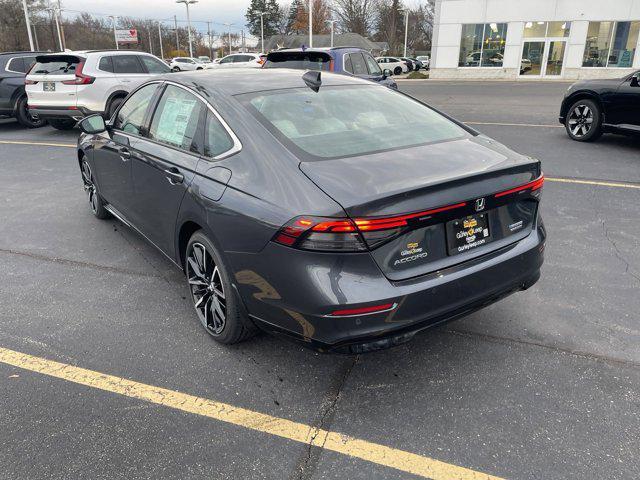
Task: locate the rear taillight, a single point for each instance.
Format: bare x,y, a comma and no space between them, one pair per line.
531,186
29,82
81,78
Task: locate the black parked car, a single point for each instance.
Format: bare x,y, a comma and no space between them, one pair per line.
320,206
593,107
13,99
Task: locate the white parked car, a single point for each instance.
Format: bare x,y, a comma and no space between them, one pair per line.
185,64
241,60
394,64
425,61
65,87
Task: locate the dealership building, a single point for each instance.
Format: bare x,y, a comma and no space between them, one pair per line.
535,39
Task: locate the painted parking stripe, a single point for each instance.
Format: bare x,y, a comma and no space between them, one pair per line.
44,144
598,183
534,125
298,432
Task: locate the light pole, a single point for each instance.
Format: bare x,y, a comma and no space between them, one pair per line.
262,14
406,30
332,22
55,18
160,37
187,3
310,23
115,36
229,25
26,19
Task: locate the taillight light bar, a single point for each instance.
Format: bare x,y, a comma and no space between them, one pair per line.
81,78
353,312
533,186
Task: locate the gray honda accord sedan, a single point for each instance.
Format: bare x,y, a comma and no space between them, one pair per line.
317,206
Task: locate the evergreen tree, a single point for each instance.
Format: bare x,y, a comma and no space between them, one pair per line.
270,19
296,7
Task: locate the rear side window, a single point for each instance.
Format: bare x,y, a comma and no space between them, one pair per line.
127,64
359,66
15,65
106,64
176,119
154,65
299,60
217,139
56,65
242,58
131,115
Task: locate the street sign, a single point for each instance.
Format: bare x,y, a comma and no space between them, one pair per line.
127,36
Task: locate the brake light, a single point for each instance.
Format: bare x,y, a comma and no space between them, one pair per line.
81,78
29,82
346,235
533,186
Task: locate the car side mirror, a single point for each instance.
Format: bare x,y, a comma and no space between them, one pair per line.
93,124
386,72
635,80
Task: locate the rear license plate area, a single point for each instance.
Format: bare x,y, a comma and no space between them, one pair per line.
48,86
468,233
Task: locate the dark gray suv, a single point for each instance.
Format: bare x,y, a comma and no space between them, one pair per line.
319,206
13,99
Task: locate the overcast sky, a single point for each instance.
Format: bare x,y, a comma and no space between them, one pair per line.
216,11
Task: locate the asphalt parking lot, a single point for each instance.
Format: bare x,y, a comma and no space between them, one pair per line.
105,371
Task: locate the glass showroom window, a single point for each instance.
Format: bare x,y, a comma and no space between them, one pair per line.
611,44
482,45
546,29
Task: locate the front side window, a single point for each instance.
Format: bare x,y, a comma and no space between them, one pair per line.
347,121
154,65
175,121
610,44
358,64
482,45
226,60
126,64
131,115
374,68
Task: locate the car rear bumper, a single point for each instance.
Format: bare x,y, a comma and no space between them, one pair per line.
49,112
297,300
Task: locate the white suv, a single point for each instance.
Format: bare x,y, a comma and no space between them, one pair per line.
179,64
241,60
65,87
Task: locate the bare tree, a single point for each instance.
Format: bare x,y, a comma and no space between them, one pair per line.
356,16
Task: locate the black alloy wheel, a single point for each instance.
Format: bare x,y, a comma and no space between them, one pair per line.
397,70
96,202
583,121
212,294
25,118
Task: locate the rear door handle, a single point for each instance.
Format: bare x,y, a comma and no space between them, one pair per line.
174,176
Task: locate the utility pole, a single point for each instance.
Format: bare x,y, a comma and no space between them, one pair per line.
406,30
35,36
209,37
229,25
55,17
332,22
175,23
187,3
150,44
310,23
64,40
115,36
262,14
28,23
160,37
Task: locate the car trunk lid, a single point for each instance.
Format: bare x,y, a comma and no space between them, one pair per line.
430,193
46,85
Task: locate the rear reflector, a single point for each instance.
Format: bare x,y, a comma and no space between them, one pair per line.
348,312
532,186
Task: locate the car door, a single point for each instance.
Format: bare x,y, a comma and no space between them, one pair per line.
624,107
129,71
113,152
226,62
165,162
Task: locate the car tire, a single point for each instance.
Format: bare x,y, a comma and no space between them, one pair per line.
96,202
175,69
397,70
113,106
24,117
583,121
62,123
199,68
215,301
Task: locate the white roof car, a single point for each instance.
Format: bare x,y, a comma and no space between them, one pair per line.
65,87
394,64
187,64
241,60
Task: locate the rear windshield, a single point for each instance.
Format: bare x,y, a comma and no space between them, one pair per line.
62,65
348,120
299,60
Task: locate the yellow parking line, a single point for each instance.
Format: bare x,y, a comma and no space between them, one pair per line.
298,432
592,182
19,142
